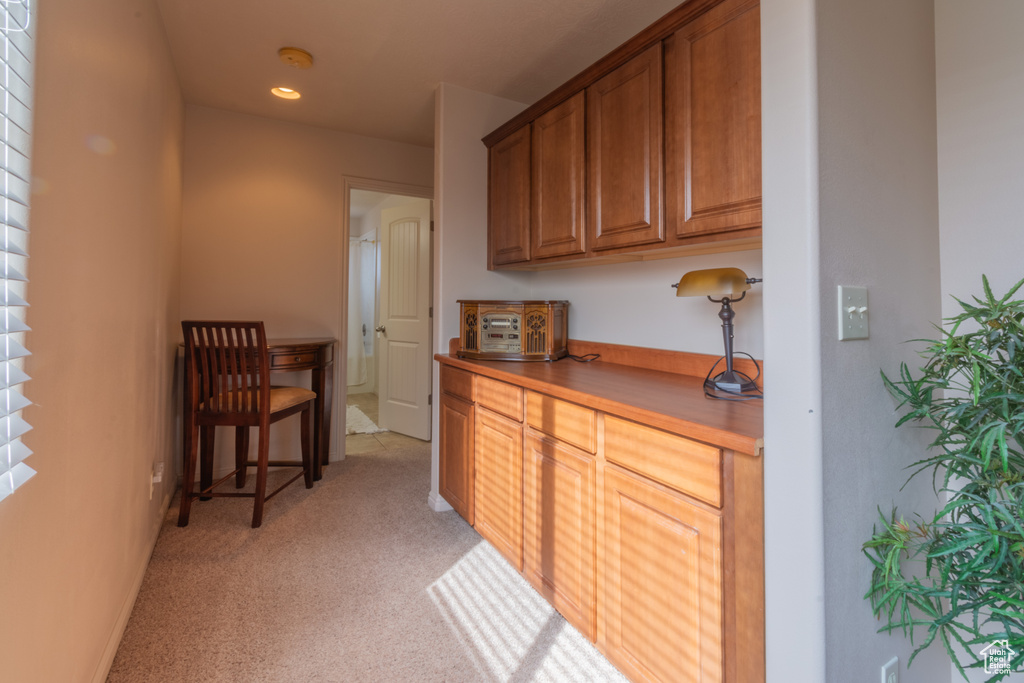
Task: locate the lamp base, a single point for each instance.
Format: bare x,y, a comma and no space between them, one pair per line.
730,383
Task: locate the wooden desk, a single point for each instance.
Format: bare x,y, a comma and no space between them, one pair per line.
317,355
294,355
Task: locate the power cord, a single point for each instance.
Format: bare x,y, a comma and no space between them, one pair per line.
734,395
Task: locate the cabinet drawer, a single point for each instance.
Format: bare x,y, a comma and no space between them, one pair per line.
457,382
688,466
500,397
565,421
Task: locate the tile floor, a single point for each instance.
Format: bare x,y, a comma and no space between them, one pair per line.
371,443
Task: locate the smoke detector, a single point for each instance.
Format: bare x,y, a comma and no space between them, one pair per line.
296,58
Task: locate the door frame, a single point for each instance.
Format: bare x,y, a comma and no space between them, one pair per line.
349,183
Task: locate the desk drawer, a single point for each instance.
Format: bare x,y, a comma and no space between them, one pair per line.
302,359
691,467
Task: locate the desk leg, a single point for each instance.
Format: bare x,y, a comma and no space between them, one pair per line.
323,385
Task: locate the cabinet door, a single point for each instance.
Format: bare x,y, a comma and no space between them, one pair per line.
498,489
558,181
508,200
713,121
559,544
661,599
456,454
624,146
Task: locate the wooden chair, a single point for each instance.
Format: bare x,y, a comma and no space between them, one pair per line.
226,369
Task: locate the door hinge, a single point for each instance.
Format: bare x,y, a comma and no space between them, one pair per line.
430,399
431,226
431,314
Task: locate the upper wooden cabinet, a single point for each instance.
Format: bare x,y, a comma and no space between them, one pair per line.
656,149
558,177
508,200
624,143
713,122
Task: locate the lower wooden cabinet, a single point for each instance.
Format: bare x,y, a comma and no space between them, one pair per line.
560,526
498,489
456,461
661,599
648,541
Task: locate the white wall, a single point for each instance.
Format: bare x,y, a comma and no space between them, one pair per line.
980,73
461,118
262,228
104,276
980,83
634,304
878,201
794,536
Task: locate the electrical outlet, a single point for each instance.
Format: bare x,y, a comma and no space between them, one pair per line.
891,671
853,313
158,476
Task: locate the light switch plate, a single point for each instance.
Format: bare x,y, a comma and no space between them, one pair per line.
891,671
853,313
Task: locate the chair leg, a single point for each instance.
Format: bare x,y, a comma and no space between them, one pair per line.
307,457
206,435
241,455
191,435
263,457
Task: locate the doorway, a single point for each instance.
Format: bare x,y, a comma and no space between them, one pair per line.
386,364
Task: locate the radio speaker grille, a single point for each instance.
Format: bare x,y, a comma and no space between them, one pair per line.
536,333
472,344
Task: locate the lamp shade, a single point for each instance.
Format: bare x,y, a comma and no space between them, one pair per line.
713,282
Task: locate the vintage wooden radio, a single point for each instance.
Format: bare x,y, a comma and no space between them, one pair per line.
513,330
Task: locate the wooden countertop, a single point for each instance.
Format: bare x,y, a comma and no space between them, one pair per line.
670,400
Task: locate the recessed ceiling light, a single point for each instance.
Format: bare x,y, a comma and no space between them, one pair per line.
286,93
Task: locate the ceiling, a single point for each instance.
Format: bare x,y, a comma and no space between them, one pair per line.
377,62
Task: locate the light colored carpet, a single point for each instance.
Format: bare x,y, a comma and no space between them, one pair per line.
354,580
356,422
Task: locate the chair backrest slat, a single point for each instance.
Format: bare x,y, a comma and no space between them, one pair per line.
226,364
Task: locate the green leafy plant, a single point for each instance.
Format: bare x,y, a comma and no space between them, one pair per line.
970,391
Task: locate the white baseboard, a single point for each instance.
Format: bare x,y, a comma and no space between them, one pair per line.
437,503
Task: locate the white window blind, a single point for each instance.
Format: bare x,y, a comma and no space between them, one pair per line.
16,53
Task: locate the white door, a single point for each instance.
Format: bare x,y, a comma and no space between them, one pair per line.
404,326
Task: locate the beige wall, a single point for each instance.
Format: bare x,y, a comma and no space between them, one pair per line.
262,226
104,291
